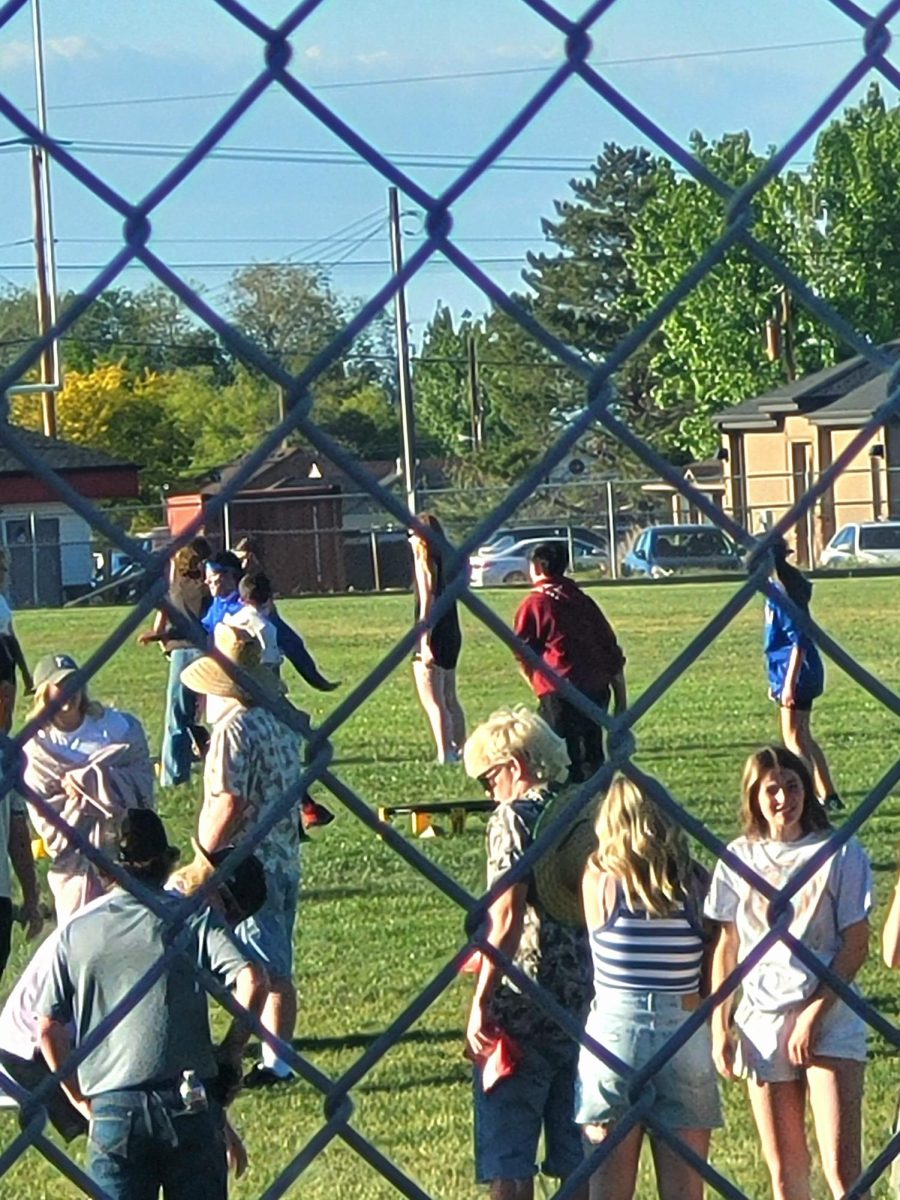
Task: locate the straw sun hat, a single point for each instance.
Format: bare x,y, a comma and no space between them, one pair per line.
559,871
207,676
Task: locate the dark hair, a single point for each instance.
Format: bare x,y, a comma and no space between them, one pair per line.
201,547
255,589
758,765
550,558
794,582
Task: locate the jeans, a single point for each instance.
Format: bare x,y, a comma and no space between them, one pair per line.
181,716
139,1142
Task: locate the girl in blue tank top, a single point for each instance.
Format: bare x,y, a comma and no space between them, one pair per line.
795,672
643,907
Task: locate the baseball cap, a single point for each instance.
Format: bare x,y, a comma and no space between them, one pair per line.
53,669
226,561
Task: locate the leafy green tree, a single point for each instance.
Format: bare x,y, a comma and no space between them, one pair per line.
852,252
441,384
18,322
712,351
122,412
221,423
149,330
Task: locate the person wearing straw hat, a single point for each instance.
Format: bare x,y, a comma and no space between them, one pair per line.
152,1087
518,759
251,766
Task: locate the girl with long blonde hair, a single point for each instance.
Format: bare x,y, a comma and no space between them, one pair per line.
642,897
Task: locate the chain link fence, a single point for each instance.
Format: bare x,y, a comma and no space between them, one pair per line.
737,230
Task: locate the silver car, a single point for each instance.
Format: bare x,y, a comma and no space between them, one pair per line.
864,544
508,563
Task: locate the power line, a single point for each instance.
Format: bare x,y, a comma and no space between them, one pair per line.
237,264
453,76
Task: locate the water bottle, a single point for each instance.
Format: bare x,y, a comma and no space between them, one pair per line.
192,1093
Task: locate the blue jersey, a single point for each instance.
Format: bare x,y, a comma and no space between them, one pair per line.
221,607
781,635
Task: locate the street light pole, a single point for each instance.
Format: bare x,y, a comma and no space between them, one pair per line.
404,379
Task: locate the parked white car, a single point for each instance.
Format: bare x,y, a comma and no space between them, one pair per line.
864,544
494,565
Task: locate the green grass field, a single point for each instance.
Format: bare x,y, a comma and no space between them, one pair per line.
372,932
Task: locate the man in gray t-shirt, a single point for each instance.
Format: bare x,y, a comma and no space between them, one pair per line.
143,1136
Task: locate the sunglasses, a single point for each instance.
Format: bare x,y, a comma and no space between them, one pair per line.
487,778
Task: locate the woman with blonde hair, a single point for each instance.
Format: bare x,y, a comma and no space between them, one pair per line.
791,1037
435,660
643,898
11,655
89,764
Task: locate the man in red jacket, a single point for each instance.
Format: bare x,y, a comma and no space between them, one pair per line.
569,632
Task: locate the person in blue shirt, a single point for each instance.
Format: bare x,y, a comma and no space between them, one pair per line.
796,674
223,574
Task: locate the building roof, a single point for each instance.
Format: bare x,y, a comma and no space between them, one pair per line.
60,456
294,466
843,395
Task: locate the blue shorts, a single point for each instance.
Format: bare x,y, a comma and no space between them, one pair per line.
635,1025
269,933
510,1117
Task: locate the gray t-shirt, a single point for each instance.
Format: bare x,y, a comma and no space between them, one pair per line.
10,803
838,895
102,954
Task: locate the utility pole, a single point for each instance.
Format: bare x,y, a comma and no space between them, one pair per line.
476,410
44,303
407,416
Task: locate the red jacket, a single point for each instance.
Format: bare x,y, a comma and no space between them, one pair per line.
570,633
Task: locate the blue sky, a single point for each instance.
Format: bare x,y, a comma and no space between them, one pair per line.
129,80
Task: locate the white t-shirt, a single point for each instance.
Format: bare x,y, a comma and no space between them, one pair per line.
837,896
259,627
94,733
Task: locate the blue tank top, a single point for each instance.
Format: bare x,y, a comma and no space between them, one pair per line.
635,951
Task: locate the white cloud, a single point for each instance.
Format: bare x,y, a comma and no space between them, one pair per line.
373,56
15,54
71,48
314,52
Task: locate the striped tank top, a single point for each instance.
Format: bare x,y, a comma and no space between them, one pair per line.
635,951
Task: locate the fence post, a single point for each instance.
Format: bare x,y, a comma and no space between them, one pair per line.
570,543
376,566
612,549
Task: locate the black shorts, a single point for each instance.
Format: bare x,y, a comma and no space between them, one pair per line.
6,923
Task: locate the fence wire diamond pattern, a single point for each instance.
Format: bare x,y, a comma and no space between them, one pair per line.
573,70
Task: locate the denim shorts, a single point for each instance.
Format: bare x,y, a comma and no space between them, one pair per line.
634,1026
269,933
763,1038
510,1117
